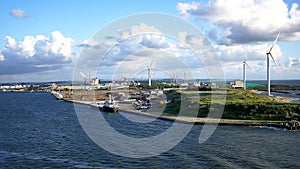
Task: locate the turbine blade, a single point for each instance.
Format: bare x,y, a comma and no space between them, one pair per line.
249,66
151,62
274,42
83,75
277,38
246,56
274,60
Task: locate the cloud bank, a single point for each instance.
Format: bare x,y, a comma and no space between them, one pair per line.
36,54
240,22
131,50
237,27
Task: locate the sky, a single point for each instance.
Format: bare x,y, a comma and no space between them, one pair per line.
46,40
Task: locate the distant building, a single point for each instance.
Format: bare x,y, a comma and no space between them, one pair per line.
95,82
184,85
213,85
237,84
54,86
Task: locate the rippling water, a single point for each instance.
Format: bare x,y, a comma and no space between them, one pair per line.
37,131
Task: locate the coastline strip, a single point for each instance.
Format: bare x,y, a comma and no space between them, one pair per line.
128,108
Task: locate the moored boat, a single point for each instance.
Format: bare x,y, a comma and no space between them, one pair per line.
57,95
110,106
98,105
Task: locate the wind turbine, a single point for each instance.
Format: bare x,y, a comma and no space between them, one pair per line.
173,78
268,64
149,68
87,78
84,77
244,70
124,78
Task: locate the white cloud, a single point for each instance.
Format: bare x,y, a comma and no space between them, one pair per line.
27,46
61,45
293,62
18,13
236,26
154,41
36,53
132,50
185,7
111,51
246,21
143,34
254,52
1,57
143,29
233,56
11,43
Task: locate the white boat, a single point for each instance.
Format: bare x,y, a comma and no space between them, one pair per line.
110,106
98,104
57,95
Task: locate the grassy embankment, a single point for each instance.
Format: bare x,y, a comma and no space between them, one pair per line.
240,104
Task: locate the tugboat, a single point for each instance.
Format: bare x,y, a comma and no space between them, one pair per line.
110,106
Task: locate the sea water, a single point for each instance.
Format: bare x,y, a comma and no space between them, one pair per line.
37,131
295,94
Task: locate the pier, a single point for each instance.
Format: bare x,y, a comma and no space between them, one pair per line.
127,107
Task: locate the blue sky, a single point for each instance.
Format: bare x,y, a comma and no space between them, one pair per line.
42,40
76,19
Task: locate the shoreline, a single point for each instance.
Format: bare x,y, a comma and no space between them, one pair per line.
128,108
283,99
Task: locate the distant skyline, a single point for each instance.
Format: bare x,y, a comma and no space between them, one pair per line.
42,40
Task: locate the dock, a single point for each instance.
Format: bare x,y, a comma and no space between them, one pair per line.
127,107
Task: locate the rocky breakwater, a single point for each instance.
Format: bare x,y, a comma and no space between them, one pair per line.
292,125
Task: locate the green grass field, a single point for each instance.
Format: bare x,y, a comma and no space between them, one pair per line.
239,104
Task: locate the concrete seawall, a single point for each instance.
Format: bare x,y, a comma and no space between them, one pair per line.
128,108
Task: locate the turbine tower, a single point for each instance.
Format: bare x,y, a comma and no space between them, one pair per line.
244,70
149,68
268,64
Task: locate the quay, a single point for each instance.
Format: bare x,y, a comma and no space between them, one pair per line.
127,107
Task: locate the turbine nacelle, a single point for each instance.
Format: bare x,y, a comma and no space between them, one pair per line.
270,54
